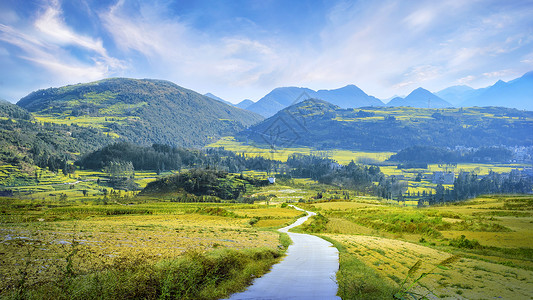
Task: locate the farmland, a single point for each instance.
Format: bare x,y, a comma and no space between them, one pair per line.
89,232
492,235
341,156
47,239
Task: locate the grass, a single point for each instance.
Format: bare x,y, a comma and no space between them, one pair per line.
341,156
390,239
194,275
395,258
356,280
38,236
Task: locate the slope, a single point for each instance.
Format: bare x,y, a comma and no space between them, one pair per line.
280,98
517,93
143,111
421,98
349,96
218,98
322,125
26,143
244,104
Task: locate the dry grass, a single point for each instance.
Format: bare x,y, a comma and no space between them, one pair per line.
40,247
468,278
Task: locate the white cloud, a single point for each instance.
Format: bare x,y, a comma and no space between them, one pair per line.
187,56
43,43
466,80
384,47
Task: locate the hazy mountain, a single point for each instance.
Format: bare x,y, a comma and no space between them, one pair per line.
218,99
142,111
322,125
517,93
420,98
280,98
396,99
244,104
349,96
457,94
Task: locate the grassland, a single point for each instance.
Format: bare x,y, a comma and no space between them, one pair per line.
54,230
341,156
493,235
54,242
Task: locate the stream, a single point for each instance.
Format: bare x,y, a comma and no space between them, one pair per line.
307,271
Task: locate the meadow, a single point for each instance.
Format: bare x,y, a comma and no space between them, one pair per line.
57,244
341,156
491,234
73,235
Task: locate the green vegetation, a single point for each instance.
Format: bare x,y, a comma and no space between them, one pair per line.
405,291
194,275
427,155
29,146
82,248
141,111
319,124
202,183
356,280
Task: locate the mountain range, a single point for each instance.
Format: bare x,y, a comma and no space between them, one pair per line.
349,96
244,104
324,126
143,111
420,98
218,99
517,93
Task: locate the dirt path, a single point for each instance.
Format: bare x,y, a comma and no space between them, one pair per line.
307,272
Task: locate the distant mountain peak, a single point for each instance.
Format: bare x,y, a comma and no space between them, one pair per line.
218,98
422,98
244,104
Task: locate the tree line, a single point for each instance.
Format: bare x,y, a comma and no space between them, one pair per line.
416,155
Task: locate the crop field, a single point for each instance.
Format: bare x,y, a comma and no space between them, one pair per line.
493,235
465,279
87,121
341,156
41,238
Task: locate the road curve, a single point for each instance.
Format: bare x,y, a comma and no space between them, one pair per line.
307,272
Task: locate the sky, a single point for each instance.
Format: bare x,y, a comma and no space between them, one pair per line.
244,49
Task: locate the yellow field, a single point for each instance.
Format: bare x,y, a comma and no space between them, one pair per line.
341,156
468,278
98,235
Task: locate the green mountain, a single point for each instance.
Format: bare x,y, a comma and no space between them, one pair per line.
322,125
143,111
25,142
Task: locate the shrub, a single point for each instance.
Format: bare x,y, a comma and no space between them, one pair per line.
463,242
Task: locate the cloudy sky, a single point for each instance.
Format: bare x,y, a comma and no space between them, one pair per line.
243,49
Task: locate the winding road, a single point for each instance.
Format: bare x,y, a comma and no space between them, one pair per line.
307,272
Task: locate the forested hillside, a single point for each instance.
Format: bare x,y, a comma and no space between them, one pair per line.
322,125
142,111
25,142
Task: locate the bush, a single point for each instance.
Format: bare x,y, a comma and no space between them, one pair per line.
463,242
253,221
193,275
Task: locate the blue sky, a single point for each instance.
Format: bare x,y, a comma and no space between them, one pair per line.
244,49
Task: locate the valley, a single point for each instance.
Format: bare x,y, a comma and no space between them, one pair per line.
102,193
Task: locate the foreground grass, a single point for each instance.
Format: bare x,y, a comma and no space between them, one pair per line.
195,275
358,281
146,249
